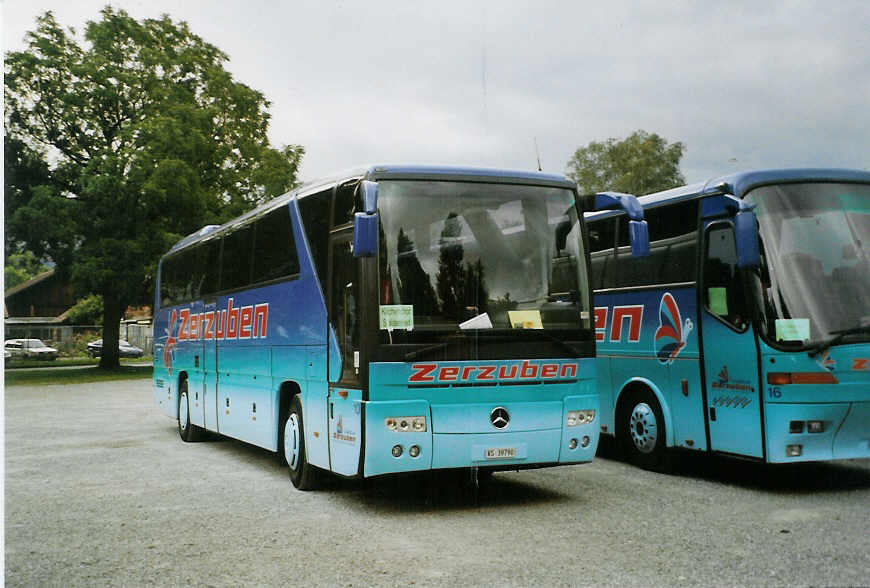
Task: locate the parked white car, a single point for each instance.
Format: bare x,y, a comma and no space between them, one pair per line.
29,349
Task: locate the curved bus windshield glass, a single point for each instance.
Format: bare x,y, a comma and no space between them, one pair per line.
460,257
816,283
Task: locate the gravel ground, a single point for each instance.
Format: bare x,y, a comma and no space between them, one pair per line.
100,490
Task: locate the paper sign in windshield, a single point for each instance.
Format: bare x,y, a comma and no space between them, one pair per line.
525,319
481,321
793,329
718,301
397,316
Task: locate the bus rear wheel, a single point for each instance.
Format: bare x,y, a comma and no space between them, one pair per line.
302,474
642,432
186,430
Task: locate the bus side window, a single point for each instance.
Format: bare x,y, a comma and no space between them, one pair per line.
344,205
314,209
237,258
602,254
723,291
274,249
673,239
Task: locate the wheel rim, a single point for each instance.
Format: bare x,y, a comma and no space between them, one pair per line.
291,441
643,427
183,412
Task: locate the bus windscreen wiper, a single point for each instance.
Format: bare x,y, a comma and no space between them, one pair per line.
838,336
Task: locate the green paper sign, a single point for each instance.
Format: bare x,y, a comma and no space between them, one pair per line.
718,300
397,316
793,329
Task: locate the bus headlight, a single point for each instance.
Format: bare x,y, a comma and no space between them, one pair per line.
815,426
580,417
406,424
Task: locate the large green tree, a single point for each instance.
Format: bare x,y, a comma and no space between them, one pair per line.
149,138
639,164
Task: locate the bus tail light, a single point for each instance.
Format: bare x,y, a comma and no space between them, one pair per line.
406,424
580,417
783,378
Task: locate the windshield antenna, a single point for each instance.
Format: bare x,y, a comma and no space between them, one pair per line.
537,154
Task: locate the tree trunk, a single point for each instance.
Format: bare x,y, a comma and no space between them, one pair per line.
109,358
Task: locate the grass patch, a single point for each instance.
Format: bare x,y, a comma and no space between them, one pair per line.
82,375
66,362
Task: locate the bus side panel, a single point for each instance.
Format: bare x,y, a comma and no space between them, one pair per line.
305,366
606,394
294,318
193,350
245,395
345,428
687,404
162,378
175,354
651,335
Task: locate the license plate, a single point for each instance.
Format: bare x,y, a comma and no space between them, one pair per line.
500,452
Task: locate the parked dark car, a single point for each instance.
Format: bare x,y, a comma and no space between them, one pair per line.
95,349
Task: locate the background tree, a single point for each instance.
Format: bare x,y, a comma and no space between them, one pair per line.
152,139
87,311
20,267
639,164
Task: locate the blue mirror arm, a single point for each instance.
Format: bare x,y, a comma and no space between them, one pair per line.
369,196
735,205
617,200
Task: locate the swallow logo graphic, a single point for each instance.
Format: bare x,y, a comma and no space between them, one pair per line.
672,333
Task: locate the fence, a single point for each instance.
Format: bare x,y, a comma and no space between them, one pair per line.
72,341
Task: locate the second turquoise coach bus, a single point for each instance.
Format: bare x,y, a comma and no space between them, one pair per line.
747,329
388,320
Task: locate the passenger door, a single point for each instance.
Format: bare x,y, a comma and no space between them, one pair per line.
730,355
345,396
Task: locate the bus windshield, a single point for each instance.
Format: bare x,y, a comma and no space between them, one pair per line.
484,258
816,239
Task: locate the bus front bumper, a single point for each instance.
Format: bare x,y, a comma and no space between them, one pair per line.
462,435
817,432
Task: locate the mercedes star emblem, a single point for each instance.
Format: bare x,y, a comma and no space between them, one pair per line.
499,417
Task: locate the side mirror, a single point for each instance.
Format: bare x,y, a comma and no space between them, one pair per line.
365,234
638,233
365,223
746,235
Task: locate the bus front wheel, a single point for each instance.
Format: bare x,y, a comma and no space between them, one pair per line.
302,473
186,430
642,431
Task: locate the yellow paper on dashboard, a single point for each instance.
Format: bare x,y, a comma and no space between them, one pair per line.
525,319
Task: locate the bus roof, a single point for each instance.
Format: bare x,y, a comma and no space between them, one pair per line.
388,172
739,184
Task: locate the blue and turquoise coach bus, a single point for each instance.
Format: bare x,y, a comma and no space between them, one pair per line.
389,320
747,329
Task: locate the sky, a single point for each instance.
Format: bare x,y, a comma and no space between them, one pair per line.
744,85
